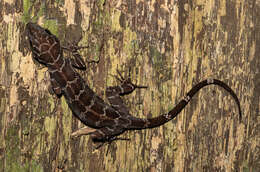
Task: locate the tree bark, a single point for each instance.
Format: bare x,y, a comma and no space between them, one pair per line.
167,45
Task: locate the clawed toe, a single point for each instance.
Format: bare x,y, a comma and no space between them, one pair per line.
127,81
73,47
108,142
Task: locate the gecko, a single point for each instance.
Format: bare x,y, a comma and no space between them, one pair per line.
104,120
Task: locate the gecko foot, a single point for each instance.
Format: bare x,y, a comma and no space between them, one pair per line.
73,47
127,81
115,139
100,144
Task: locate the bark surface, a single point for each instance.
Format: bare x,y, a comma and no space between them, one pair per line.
167,45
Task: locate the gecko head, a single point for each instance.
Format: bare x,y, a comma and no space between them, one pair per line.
44,45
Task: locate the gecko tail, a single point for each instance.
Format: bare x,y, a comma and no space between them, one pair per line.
139,123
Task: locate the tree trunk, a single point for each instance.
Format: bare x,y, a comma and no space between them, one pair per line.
167,45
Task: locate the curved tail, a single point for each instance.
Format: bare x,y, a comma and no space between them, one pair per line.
138,123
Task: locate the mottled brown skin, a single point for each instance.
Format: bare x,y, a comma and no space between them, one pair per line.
106,120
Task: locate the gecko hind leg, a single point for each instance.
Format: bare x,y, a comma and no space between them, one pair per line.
83,131
114,93
54,88
107,134
100,144
127,86
100,136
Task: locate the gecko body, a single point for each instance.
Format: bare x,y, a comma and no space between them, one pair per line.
107,120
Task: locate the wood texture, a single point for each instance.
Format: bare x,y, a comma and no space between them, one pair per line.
167,45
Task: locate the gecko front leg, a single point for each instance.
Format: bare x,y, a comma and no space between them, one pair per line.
55,88
77,61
